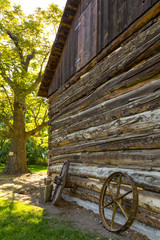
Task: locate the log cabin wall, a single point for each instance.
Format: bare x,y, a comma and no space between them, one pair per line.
106,116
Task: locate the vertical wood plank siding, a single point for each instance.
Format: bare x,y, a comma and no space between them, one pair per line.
95,25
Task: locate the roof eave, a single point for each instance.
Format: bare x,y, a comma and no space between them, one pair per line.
58,46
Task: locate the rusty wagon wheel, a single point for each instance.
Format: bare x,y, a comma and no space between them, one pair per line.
118,195
61,181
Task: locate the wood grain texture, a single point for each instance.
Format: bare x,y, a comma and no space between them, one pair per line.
108,119
115,64
139,23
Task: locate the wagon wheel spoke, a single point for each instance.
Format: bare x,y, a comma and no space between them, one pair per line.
110,190
113,215
119,186
122,209
122,196
108,204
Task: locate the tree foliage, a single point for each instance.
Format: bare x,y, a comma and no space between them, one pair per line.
24,47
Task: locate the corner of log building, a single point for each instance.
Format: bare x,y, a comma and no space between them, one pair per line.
104,101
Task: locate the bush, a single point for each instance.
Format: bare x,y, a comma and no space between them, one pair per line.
36,152
4,150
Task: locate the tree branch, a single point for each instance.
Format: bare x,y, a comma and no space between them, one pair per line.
38,80
8,98
45,115
5,77
35,116
16,43
5,134
28,59
7,123
37,129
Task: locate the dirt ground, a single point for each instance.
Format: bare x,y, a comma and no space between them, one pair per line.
29,188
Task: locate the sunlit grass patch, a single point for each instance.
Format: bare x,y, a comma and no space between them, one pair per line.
2,167
37,168
32,168
19,221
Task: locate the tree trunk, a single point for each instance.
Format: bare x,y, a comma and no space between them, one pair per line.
16,163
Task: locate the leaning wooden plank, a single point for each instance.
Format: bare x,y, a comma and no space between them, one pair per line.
138,24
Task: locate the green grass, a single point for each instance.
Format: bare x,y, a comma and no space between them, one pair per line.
37,168
32,168
2,167
19,221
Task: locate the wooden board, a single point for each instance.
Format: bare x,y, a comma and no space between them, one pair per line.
95,25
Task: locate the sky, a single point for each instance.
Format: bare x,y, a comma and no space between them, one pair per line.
29,6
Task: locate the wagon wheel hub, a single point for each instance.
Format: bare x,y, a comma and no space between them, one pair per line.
58,180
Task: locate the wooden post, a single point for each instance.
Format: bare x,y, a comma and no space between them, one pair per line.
48,189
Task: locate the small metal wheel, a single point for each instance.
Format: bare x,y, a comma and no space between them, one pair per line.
61,181
119,195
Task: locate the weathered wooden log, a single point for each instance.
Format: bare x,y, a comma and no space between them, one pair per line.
148,140
147,200
108,100
104,114
120,83
92,118
144,215
149,180
139,123
137,159
139,105
107,104
138,24
150,218
110,67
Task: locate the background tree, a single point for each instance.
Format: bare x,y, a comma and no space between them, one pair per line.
24,47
